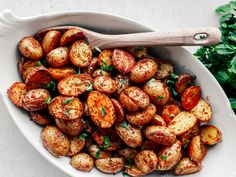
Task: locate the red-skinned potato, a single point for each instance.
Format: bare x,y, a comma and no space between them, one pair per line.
122,82
82,162
210,134
138,52
62,72
92,66
169,112
50,41
188,135
110,165
133,171
40,117
151,145
71,127
164,70
70,36
105,57
128,153
100,72
190,97
58,57
120,113
183,82
16,93
76,145
187,167
105,84
127,103
158,120
27,67
95,152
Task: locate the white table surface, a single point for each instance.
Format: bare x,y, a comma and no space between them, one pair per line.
17,157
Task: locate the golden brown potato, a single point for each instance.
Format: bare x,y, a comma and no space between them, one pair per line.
133,171
21,62
202,111
105,57
82,162
151,145
120,113
110,165
58,57
35,99
92,66
40,117
158,120
55,141
132,136
123,61
191,97
105,84
80,54
100,72
182,122
27,67
143,71
210,134
75,84
101,109
30,48
127,103
188,135
161,135
122,82
71,127
157,91
68,108
186,167
62,72
146,161
138,52
142,117
70,36
76,145
195,150
183,82
170,111
169,156
97,153
50,41
16,93
128,153
164,70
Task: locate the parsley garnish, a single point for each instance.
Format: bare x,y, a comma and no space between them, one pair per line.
78,71
123,173
68,100
83,135
105,67
124,124
98,153
51,85
90,87
103,112
38,63
159,98
97,49
106,142
171,115
164,157
130,162
67,113
48,100
186,144
137,49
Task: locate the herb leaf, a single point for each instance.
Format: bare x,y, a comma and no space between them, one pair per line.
103,112
106,142
48,100
83,135
97,49
90,87
98,153
51,85
105,67
78,71
186,144
159,98
38,63
124,124
164,157
68,100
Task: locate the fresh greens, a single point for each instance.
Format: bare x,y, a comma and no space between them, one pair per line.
97,49
103,112
48,100
220,59
68,100
83,135
106,142
124,124
105,67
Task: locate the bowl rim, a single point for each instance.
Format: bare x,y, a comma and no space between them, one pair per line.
9,13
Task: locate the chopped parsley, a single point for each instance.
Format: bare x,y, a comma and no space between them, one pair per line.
97,49
164,157
98,153
51,85
123,173
171,115
83,135
103,112
124,124
68,100
48,100
106,142
130,162
78,71
137,49
186,144
38,63
105,67
159,98
67,113
90,87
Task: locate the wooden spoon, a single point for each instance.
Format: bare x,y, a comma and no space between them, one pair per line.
188,37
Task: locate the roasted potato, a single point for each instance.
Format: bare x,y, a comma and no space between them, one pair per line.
128,153
210,134
62,72
101,109
27,67
50,41
75,84
127,103
133,171
40,117
138,52
143,71
122,82
186,167
97,153
123,61
82,162
190,97
158,120
183,82
71,127
105,84
151,145
100,72
169,112
188,135
164,70
182,122
110,165
55,141
142,117
132,136
16,92
120,113
30,48
92,66
161,135
157,91
70,36
67,108
58,57
146,161
105,57
202,111
80,54
76,145
35,99
169,156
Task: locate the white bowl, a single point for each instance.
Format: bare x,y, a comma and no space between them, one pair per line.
220,160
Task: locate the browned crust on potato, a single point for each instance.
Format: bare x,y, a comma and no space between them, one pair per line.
92,66
40,117
94,149
105,84
106,57
76,145
127,103
183,82
170,111
100,72
164,70
210,134
158,120
50,41
120,113
27,67
122,82
82,162
58,57
70,36
188,135
101,109
138,52
195,149
71,127
186,167
110,165
16,93
128,153
62,72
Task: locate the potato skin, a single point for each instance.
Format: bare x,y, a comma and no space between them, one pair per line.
41,118
188,135
132,136
70,36
169,156
210,134
170,111
191,97
100,72
183,82
142,117
58,57
127,103
164,70
195,150
123,61
34,99
138,52
161,135
27,67
92,66
133,171
16,93
30,48
143,71
122,82
106,57
80,54
76,145
110,165
151,145
55,141
186,167
93,149
50,41
146,161
82,162
128,153
96,101
157,91
105,84
59,109
158,120
120,113
62,72
71,127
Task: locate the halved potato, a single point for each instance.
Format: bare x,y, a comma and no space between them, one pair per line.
169,112
40,117
182,122
133,171
158,120
71,127
76,145
187,167
120,113
100,72
110,165
58,57
16,93
70,36
62,72
151,145
210,134
138,52
92,66
164,70
101,109
183,82
122,82
82,162
50,41
195,149
27,67
105,57
127,103
105,84
97,153
128,153
190,97
188,135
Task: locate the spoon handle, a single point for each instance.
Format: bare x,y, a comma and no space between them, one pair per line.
191,37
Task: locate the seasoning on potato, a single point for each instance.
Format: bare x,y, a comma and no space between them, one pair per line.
82,162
